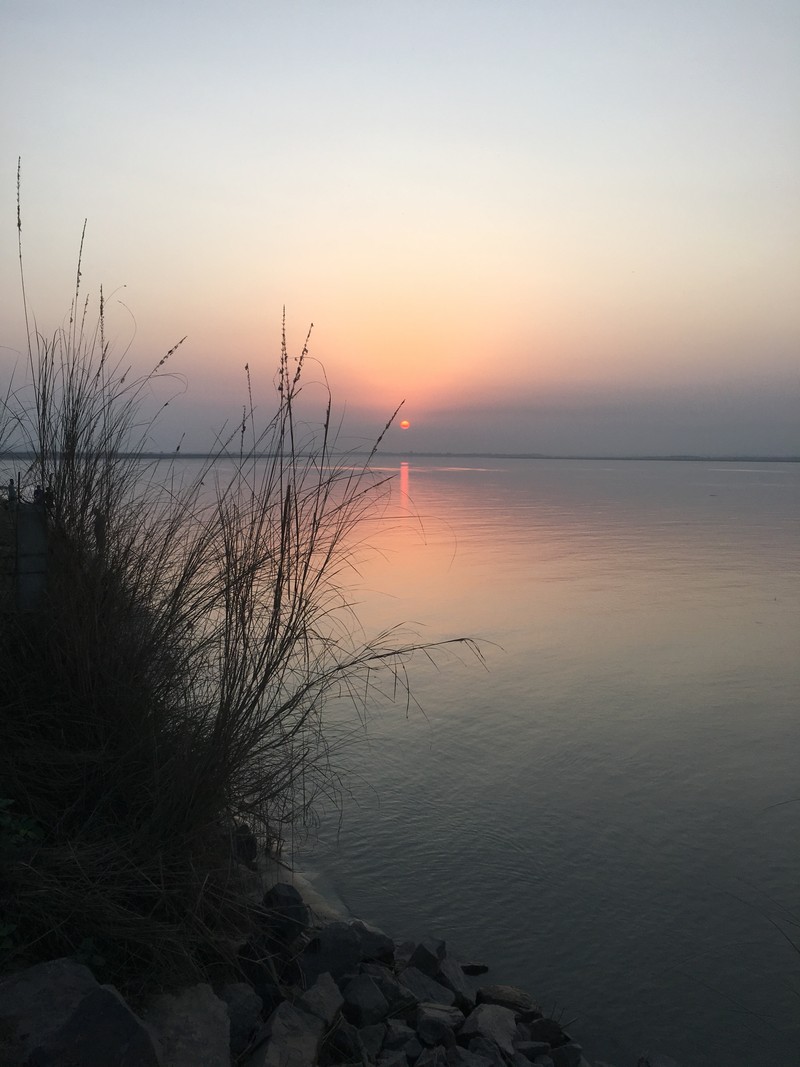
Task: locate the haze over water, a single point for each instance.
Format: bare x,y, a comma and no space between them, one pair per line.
602,815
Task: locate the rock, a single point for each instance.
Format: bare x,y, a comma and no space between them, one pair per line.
323,999
474,968
462,1057
656,1059
403,951
432,1057
257,962
425,988
392,1059
364,1003
375,944
436,1024
519,1059
244,1012
397,995
289,1038
547,1030
568,1055
345,1042
452,976
192,1027
427,956
508,996
481,1046
397,1036
371,1038
56,1013
493,1023
287,915
532,1049
336,949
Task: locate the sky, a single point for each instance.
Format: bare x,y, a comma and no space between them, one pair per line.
551,226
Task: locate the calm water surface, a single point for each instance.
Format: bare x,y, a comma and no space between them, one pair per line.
602,813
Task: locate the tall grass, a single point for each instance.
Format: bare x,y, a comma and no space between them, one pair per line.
176,677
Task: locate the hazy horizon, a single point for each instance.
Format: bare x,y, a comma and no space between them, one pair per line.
559,229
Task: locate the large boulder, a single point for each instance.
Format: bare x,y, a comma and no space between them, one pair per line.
427,956
424,988
287,915
452,976
336,949
508,996
375,944
56,1013
192,1027
323,999
364,1002
244,1012
289,1038
436,1024
494,1024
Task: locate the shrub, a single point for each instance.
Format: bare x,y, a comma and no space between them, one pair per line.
175,678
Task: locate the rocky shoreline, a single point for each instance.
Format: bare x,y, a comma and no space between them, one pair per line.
320,990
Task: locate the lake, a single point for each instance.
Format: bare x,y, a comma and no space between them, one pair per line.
608,813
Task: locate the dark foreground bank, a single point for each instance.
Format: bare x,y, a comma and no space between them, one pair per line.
317,991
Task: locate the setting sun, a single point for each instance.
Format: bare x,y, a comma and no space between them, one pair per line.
405,424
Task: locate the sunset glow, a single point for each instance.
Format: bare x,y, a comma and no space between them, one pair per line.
549,228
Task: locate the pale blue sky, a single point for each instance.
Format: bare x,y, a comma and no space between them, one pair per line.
540,223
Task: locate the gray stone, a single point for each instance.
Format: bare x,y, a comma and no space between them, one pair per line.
519,1059
392,1059
547,1030
532,1049
371,1038
481,1046
470,967
452,976
568,1055
462,1057
398,1034
55,1013
364,1002
290,1038
656,1059
375,944
398,996
432,1057
323,999
508,996
436,1024
414,1049
427,956
287,915
543,1061
403,951
192,1027
425,988
257,962
335,949
345,1042
244,1013
494,1023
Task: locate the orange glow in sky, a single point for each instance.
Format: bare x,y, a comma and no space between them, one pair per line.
551,240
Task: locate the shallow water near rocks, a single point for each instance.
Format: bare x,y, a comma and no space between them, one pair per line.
606,814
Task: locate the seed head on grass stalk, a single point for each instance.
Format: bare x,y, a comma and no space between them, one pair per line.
177,675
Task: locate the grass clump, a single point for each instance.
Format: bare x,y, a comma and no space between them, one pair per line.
174,678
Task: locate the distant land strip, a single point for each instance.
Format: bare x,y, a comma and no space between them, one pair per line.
11,455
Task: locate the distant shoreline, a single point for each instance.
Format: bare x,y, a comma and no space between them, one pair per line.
453,455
